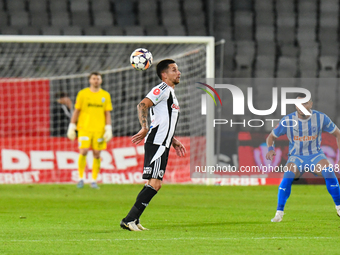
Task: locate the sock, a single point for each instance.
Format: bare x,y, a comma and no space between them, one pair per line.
143,199
95,168
284,190
81,166
332,184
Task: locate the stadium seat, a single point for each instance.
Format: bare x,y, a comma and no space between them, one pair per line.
192,7
327,92
329,19
288,50
196,25
169,6
266,48
243,33
60,19
16,6
286,34
73,30
30,31
79,6
148,19
264,33
51,31
9,31
126,19
243,66
171,19
37,6
329,49
114,31
134,30
328,63
93,31
19,19
102,19
328,34
260,5
147,13
264,18
243,18
58,6
3,19
284,6
179,30
81,18
155,30
100,5
327,6
308,66
264,66
39,19
306,33
243,5
307,20
287,67
221,6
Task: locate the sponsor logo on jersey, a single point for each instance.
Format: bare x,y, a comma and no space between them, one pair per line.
84,138
161,173
94,105
147,170
314,129
305,138
174,106
103,99
156,91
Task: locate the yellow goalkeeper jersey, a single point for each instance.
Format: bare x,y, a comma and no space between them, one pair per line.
92,106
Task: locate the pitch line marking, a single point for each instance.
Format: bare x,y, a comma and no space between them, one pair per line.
179,238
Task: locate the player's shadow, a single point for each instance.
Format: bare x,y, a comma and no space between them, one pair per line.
219,223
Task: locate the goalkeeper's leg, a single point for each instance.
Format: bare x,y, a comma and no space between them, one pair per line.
95,169
81,167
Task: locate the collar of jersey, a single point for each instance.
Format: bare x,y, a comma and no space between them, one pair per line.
296,113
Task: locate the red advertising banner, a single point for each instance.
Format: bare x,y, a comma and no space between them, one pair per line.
54,160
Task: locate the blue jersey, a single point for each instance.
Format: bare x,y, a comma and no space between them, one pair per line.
304,135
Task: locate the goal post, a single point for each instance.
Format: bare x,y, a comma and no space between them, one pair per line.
34,69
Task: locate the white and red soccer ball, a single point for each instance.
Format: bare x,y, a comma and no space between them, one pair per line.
141,59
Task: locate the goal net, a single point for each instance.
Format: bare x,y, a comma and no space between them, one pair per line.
40,78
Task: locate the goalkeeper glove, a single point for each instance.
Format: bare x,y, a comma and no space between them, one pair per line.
71,131
108,133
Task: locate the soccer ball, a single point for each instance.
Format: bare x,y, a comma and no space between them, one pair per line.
141,59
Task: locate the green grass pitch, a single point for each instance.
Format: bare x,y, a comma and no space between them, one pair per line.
183,219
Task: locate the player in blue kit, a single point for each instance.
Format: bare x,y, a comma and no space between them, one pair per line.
304,134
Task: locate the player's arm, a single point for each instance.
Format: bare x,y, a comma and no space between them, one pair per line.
71,131
179,147
270,143
336,133
142,108
108,126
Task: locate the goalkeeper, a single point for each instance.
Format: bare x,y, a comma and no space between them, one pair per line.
93,118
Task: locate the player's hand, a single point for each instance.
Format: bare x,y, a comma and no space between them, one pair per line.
137,138
71,131
179,147
270,155
108,133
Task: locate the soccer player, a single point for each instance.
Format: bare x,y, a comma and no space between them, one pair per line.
93,118
304,134
164,113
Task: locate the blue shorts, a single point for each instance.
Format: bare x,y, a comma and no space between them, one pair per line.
306,163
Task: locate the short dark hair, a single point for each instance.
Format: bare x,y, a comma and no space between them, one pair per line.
60,94
95,73
302,95
163,66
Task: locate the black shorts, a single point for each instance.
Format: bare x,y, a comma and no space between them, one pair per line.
155,169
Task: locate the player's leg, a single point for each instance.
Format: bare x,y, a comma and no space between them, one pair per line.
153,172
84,141
285,189
331,181
98,144
95,169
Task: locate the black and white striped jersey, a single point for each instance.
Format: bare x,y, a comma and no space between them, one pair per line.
164,115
